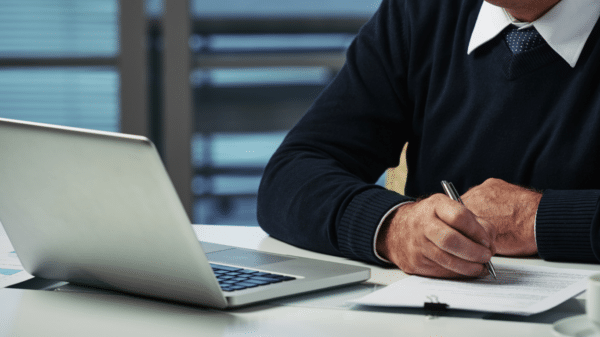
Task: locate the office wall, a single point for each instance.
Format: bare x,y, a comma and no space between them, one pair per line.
255,68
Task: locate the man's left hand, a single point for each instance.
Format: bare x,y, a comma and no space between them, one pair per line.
511,209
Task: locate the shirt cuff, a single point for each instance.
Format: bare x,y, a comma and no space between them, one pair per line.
379,227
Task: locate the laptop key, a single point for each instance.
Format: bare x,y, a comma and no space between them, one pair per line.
268,279
234,288
233,278
247,284
228,282
258,282
262,274
228,268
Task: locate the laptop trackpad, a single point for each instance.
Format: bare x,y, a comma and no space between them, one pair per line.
244,258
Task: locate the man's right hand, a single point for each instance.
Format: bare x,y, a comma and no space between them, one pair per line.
437,237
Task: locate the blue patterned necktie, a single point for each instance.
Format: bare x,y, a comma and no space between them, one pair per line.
522,40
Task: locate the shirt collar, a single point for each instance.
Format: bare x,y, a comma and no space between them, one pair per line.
565,27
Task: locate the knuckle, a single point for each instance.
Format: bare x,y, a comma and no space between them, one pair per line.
427,206
438,197
458,216
430,202
491,181
448,240
442,258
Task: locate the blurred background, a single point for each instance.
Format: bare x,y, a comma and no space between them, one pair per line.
216,84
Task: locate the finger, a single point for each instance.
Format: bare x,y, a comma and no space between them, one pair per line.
453,263
454,242
491,230
461,219
430,268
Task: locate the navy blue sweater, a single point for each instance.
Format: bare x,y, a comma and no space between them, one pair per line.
529,119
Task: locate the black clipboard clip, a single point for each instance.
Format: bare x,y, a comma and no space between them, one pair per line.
434,304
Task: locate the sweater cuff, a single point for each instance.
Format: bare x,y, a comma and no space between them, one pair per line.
357,228
566,221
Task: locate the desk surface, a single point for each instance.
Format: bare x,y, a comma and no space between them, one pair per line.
51,313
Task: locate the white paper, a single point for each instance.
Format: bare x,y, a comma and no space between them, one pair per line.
11,270
522,290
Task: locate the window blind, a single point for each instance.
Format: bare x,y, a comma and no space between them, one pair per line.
253,78
79,96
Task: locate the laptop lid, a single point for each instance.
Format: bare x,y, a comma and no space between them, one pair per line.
98,208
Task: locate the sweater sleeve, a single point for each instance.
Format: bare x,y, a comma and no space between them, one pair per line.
567,226
318,191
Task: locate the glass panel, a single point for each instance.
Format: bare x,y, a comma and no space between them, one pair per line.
277,42
58,28
235,150
244,112
226,184
232,184
261,76
279,8
245,149
79,97
227,198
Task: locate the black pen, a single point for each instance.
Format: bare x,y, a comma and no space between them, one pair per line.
453,194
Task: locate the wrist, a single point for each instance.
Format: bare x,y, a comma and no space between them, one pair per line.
534,202
381,234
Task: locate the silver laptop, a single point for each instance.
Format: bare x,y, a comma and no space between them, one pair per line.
98,208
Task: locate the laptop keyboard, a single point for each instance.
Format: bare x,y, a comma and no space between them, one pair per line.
234,278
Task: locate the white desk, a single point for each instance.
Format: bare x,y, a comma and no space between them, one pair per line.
47,313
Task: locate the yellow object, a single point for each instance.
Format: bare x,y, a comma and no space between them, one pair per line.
396,176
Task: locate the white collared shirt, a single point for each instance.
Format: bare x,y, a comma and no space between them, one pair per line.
566,27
